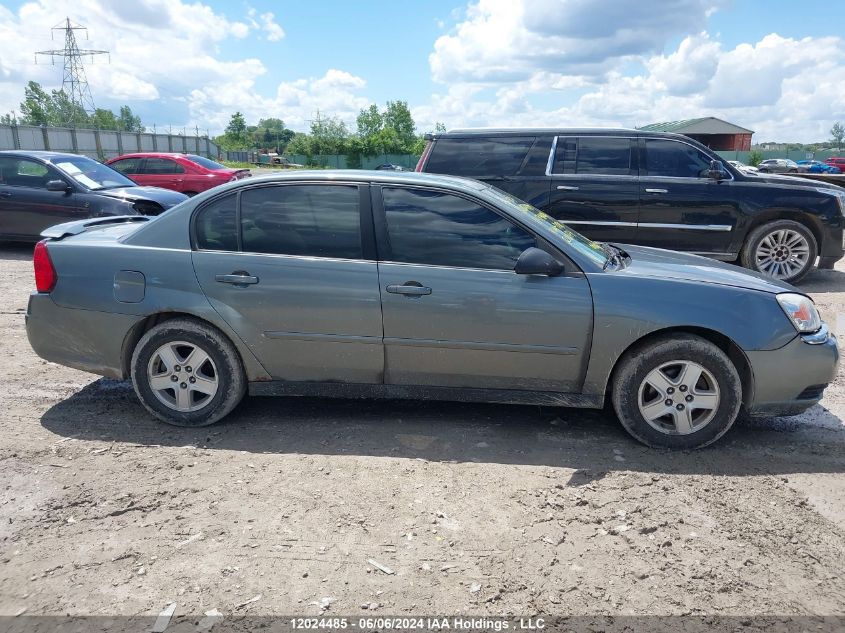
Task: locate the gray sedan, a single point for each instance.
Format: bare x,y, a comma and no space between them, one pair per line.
384,284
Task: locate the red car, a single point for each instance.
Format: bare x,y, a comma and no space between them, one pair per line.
836,161
187,173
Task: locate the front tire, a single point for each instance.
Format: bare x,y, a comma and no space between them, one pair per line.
784,249
678,391
187,373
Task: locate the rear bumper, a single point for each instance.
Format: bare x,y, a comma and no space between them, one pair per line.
790,380
82,339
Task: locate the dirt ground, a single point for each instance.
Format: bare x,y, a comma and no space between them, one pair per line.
475,509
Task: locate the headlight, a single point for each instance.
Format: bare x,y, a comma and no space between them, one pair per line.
801,311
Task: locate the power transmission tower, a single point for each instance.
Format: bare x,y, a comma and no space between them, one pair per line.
74,83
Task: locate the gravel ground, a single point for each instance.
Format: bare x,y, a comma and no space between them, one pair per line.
475,509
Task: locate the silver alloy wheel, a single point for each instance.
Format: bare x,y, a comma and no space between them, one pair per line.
182,376
782,254
679,397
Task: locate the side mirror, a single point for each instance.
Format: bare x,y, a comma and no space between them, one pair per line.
534,261
57,185
717,170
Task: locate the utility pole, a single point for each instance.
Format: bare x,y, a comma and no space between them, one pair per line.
74,82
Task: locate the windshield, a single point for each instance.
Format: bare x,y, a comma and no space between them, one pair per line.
91,174
205,162
595,251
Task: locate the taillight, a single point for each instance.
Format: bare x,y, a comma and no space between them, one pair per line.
424,157
45,273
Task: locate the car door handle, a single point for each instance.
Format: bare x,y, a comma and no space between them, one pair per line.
237,278
657,191
567,188
409,289
5,194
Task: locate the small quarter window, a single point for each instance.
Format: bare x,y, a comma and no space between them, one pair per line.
216,227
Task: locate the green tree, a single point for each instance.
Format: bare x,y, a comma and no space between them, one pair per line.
66,112
369,122
7,119
837,133
329,135
755,158
398,117
103,120
237,126
37,106
439,128
128,121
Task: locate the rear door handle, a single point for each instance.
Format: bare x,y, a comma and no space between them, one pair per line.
657,191
409,289
237,278
567,188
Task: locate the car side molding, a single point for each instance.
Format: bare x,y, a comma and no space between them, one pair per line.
424,392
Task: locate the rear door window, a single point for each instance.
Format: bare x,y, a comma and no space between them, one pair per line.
441,229
479,157
310,220
593,155
162,166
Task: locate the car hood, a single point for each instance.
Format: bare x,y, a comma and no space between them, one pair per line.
165,197
792,181
663,264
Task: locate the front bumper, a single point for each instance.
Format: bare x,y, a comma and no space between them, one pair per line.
83,339
790,380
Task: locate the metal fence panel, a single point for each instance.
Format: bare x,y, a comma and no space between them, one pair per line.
7,138
130,143
147,143
86,142
110,143
59,139
30,137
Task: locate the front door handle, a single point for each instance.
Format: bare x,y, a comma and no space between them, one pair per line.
657,191
566,188
237,278
5,194
409,289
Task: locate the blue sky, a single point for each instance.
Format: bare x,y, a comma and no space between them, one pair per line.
775,67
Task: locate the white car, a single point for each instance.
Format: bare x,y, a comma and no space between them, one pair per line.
743,167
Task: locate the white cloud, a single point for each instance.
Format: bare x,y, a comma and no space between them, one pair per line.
271,27
571,62
159,50
510,40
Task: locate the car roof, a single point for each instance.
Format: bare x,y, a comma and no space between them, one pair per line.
362,175
154,155
549,131
42,154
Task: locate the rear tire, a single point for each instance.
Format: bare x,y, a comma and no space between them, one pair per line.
678,391
783,249
187,373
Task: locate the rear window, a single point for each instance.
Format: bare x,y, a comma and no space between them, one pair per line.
599,155
478,157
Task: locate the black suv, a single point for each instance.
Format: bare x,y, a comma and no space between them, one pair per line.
654,189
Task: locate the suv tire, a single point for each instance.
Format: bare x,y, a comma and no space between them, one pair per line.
772,246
